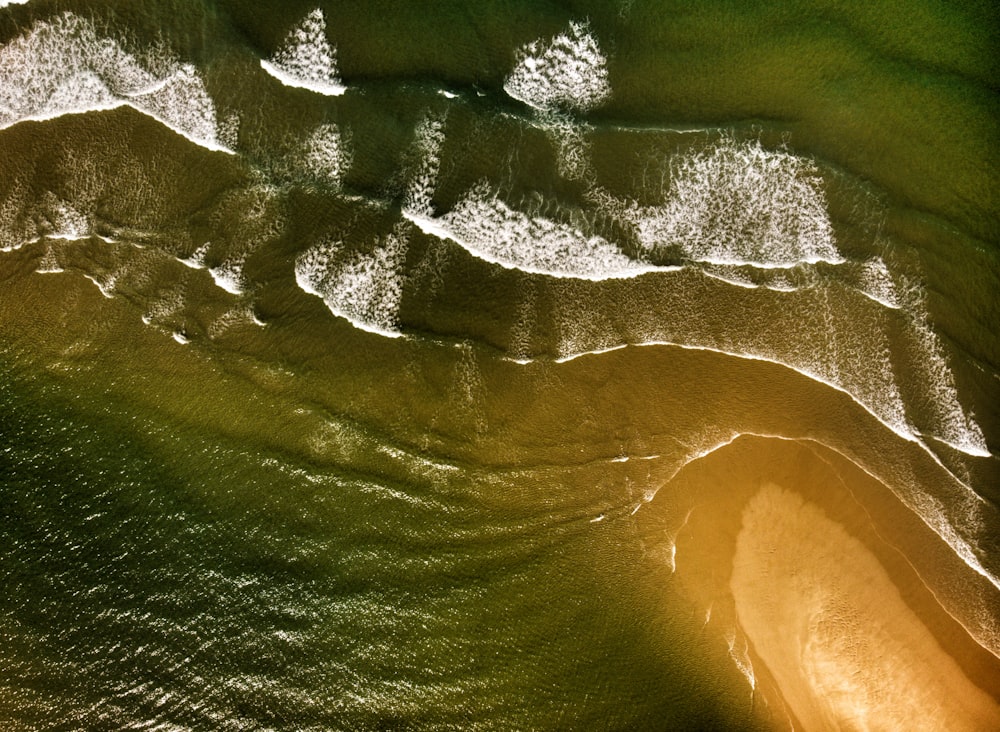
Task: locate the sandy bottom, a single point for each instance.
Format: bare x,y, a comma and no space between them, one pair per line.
826,619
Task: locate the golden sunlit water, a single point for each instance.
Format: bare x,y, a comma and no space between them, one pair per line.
512,366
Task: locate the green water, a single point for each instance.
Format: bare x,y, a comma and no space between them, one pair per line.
228,504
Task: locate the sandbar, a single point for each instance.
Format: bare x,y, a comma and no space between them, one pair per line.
826,619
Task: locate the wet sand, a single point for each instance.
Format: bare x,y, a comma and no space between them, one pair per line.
829,623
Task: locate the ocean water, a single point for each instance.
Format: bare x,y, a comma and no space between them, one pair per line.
427,366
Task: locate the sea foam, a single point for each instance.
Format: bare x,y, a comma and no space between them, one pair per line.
62,66
51,218
307,60
325,156
229,277
567,72
876,282
64,221
735,203
365,288
491,230
428,139
952,425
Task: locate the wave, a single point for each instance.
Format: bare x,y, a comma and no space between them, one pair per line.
325,155
735,203
364,288
568,71
62,66
490,230
307,60
735,212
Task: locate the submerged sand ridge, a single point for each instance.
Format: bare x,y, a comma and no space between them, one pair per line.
830,625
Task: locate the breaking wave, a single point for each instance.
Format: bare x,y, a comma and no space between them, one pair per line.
307,60
364,288
568,72
62,66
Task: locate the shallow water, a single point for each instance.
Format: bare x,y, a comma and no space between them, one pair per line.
383,367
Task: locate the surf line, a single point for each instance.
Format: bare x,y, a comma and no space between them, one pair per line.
118,104
438,227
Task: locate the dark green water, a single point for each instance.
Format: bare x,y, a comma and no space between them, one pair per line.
374,386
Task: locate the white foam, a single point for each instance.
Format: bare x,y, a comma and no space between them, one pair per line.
739,652
735,203
672,538
325,156
730,275
952,425
876,283
106,288
491,230
569,71
165,306
82,90
229,276
307,60
241,314
62,66
197,258
49,263
182,103
364,288
16,229
428,138
65,222
228,131
180,338
929,372
571,145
